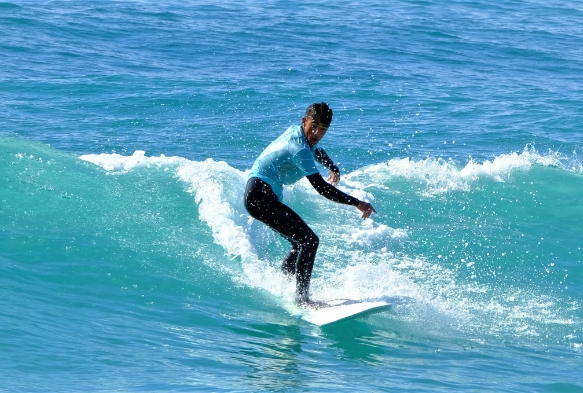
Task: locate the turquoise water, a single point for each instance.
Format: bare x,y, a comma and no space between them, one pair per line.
127,260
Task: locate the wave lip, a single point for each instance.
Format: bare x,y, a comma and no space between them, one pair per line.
439,175
117,163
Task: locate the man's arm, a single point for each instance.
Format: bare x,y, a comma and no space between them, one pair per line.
325,160
336,195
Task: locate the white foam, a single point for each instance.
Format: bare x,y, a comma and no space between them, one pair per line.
440,175
370,234
122,164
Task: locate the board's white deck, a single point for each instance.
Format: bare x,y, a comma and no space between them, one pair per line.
338,310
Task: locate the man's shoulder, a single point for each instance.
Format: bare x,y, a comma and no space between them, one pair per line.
293,131
296,138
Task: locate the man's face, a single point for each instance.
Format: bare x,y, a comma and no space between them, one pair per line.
314,129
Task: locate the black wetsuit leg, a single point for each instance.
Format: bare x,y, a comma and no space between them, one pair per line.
262,204
289,262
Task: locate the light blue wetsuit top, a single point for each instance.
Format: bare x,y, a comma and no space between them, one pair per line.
285,161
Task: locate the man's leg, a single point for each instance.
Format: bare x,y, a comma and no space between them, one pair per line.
262,204
288,266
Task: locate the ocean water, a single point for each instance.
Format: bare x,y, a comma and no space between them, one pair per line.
127,260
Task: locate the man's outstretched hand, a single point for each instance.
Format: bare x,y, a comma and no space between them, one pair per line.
366,209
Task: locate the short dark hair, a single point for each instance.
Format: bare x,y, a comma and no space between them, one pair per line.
320,110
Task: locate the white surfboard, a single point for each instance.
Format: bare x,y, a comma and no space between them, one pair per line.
338,310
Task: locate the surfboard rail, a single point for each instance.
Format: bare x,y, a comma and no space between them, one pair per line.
338,310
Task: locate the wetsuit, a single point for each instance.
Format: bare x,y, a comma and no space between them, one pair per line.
285,161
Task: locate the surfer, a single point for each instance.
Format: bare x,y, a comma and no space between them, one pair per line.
286,160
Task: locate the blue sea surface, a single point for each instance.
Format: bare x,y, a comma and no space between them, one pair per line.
127,259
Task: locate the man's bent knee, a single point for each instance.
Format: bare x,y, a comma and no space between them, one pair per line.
310,241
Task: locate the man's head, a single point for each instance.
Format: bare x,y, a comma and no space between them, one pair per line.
316,122
322,111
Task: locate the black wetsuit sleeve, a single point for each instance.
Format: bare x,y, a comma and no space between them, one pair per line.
325,160
331,192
